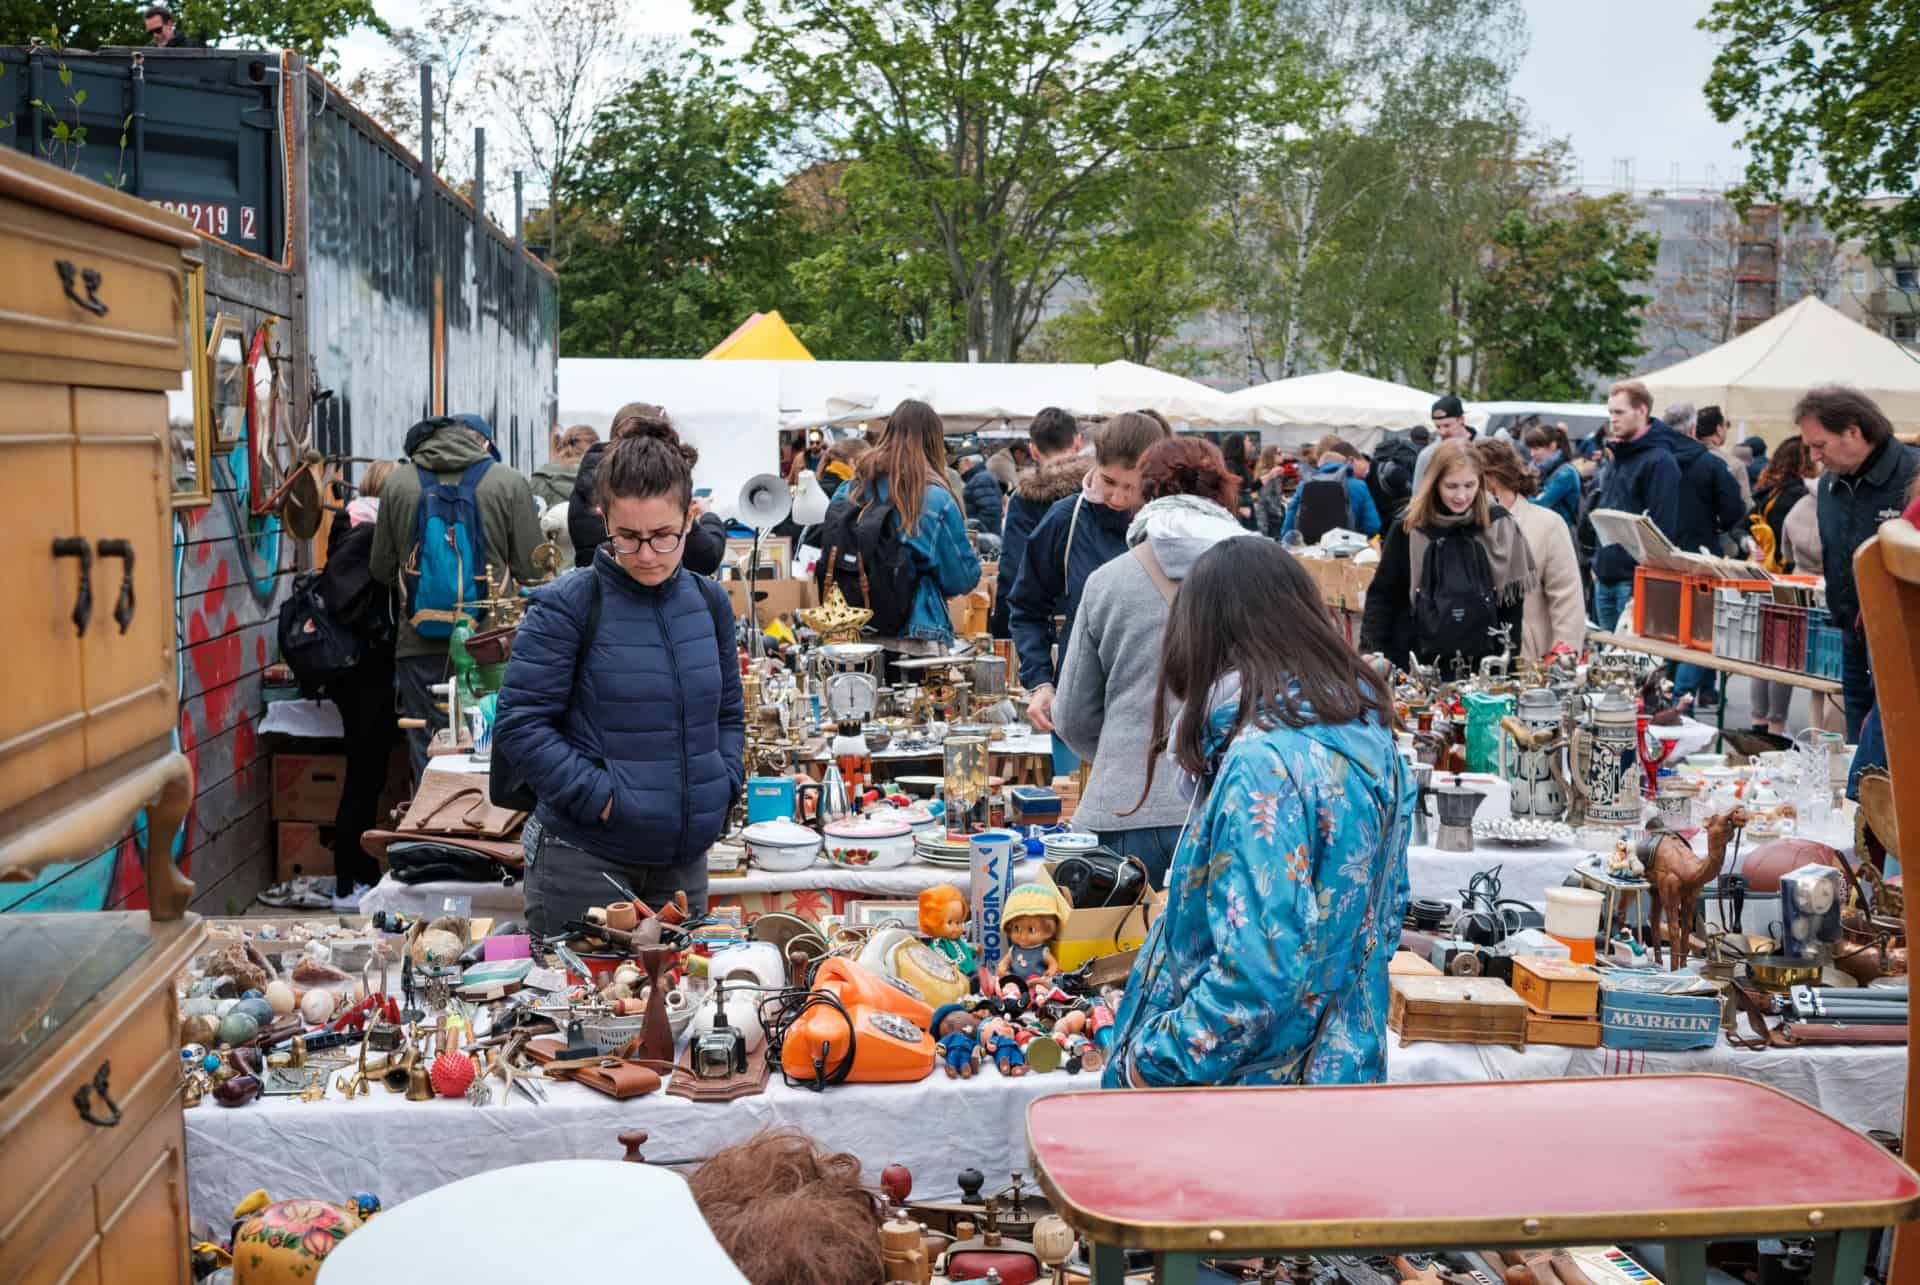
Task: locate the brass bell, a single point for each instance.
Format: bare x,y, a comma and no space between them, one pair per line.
419,1088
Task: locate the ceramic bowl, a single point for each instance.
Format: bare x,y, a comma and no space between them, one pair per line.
780,845
862,843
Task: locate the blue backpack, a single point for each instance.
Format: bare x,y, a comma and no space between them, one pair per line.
447,568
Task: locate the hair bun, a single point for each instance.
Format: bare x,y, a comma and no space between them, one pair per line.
646,421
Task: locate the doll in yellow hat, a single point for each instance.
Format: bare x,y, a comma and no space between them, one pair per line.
1031,920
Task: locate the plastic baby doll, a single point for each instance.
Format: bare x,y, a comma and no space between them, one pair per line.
1031,921
943,922
956,1031
998,1040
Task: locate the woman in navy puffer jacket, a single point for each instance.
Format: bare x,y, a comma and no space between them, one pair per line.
630,731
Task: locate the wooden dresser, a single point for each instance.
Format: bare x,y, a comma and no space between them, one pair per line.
92,334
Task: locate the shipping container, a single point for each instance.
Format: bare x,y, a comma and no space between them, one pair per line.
397,299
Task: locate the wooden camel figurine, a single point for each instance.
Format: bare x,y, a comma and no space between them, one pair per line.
1678,874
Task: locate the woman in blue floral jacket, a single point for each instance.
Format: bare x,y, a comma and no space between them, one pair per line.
1269,963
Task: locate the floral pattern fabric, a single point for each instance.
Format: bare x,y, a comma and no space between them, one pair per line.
1269,963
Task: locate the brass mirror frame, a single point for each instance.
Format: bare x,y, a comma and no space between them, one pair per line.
224,324
195,322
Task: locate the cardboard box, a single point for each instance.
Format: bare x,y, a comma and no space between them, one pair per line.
1089,934
782,597
1568,1032
1343,585
306,787
1555,986
302,848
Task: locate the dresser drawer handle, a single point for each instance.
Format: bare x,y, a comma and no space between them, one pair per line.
74,546
89,277
122,605
83,1099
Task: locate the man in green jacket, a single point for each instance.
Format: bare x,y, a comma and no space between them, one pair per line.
446,446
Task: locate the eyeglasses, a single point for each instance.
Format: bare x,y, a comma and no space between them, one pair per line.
658,543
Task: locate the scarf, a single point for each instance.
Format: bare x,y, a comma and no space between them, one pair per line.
1514,575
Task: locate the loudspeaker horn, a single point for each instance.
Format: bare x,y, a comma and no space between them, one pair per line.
765,501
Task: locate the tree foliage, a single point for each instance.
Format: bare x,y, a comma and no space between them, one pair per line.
456,39
682,227
1828,95
994,138
1556,305
310,27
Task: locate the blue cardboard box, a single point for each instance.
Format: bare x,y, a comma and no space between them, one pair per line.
1658,1011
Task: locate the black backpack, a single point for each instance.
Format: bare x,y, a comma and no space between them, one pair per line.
1456,605
314,643
867,556
1324,505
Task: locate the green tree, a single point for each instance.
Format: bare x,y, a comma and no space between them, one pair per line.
310,27
1556,306
682,230
1142,275
1347,238
1828,95
994,137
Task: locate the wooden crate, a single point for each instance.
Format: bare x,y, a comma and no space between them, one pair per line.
1457,1010
1407,964
1569,1032
1556,987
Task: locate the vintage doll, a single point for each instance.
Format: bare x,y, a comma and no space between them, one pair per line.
943,922
1031,920
999,1041
956,1031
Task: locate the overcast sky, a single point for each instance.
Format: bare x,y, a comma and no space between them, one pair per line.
1620,78
1623,79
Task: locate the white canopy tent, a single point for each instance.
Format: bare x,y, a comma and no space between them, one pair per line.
1294,412
1755,378
732,411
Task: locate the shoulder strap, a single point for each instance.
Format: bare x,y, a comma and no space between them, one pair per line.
592,630
470,480
1144,555
716,597
1066,559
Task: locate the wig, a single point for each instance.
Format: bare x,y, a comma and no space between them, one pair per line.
788,1213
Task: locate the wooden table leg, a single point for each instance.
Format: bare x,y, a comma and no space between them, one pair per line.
1109,1264
1686,1262
1841,1259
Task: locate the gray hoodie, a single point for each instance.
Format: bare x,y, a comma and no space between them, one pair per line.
1103,705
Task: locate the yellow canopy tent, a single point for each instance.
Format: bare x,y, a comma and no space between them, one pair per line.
762,337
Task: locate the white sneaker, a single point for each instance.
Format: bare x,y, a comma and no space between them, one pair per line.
350,904
305,892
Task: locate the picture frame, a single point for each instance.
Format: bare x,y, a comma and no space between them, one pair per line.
226,390
190,407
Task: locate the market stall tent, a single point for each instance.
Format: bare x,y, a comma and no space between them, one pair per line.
1755,378
765,336
1294,412
733,411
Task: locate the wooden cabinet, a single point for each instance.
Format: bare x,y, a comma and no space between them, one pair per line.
90,1117
91,337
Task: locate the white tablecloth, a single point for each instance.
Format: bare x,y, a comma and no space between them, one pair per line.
936,1127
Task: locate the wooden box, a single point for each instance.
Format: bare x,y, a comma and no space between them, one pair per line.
1556,987
1457,1010
1407,964
1571,1032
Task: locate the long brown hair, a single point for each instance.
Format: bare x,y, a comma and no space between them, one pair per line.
911,455
1223,622
1789,460
1426,503
1500,463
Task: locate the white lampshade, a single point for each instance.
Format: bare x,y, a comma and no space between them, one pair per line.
809,501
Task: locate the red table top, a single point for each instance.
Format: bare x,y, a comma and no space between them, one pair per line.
1437,1165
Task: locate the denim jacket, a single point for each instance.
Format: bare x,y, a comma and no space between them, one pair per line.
1269,963
942,554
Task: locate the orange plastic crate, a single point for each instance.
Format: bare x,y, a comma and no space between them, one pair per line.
1660,604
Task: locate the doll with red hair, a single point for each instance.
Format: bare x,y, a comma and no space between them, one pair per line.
943,922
